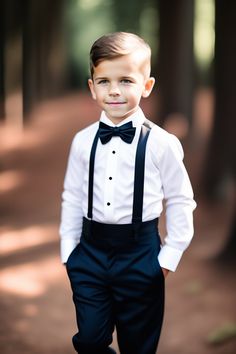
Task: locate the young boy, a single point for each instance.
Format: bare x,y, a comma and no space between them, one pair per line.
119,171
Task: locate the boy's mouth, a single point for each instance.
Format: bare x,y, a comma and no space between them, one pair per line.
115,103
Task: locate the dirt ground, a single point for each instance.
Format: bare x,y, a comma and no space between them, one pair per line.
37,314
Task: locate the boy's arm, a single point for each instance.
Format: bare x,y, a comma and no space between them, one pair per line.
71,212
179,205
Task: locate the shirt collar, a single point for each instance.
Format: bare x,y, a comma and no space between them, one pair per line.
137,118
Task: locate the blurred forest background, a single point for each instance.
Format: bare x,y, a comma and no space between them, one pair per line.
44,101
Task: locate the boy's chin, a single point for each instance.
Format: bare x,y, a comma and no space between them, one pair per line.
118,116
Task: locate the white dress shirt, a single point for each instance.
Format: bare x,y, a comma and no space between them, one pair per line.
165,178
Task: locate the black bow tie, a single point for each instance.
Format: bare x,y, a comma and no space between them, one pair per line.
125,131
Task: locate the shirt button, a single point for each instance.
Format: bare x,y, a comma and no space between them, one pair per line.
108,203
110,178
113,152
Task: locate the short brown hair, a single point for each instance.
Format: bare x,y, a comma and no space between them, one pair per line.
114,45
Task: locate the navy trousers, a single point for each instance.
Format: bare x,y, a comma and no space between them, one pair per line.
117,281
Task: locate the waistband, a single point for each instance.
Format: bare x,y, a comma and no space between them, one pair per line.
93,230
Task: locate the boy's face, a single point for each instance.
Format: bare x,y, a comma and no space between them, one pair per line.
119,84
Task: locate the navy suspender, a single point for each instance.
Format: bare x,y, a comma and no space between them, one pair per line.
91,175
138,176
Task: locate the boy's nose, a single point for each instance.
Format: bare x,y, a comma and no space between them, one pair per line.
114,90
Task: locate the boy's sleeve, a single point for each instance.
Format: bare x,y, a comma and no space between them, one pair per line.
71,212
178,194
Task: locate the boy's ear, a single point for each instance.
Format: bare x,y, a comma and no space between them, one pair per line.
148,86
91,86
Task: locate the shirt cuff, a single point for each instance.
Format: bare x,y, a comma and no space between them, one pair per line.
169,257
67,247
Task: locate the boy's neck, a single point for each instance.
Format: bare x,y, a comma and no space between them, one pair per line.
116,121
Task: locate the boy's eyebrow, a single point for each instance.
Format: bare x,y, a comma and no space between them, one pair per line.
100,78
127,77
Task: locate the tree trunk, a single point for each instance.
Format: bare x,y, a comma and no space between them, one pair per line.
227,255
221,161
220,165
176,58
42,69
2,60
10,52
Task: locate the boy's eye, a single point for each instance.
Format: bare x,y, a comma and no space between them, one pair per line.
102,82
126,81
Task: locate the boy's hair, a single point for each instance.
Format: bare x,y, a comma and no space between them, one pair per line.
114,45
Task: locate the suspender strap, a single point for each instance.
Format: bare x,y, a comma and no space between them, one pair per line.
91,175
139,176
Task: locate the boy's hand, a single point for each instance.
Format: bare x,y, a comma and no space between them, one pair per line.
165,272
